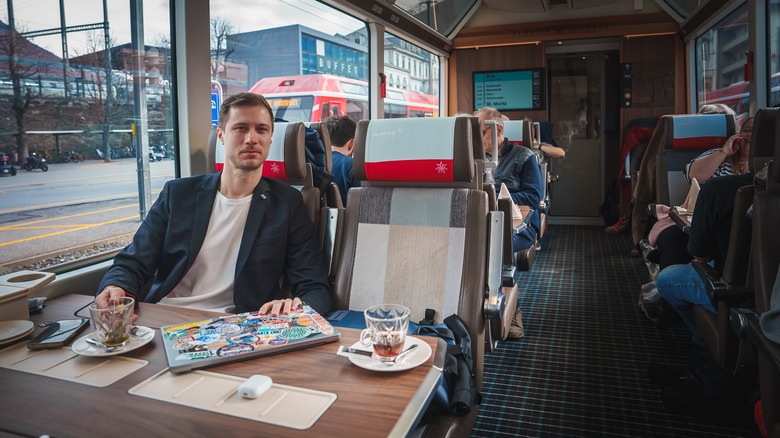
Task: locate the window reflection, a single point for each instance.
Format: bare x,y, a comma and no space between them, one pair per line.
414,79
72,101
773,62
720,60
310,64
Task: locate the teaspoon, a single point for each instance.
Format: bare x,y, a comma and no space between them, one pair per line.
107,348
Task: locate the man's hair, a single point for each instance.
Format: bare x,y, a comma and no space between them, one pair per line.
341,130
242,99
491,114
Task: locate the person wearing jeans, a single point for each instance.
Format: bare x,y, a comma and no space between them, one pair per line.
680,285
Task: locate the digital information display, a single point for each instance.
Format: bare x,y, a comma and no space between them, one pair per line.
509,90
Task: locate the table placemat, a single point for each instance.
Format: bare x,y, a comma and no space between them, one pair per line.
281,405
63,363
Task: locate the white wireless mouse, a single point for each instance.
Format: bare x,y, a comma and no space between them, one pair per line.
255,386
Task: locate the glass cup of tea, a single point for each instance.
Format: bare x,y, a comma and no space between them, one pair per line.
113,323
386,327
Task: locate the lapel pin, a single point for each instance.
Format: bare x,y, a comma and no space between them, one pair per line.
262,196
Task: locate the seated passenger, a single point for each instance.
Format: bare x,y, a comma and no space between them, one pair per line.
222,241
518,170
546,148
730,159
644,191
679,284
342,141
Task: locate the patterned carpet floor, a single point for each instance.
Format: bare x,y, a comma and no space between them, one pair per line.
581,368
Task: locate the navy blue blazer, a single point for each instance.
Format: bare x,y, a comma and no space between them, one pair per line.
278,239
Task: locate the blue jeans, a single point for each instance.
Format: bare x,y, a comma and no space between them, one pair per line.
682,288
524,239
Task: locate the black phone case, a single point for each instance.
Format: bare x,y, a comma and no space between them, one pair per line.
36,344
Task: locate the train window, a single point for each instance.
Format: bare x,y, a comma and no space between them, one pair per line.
773,58
307,58
415,91
720,61
443,17
78,116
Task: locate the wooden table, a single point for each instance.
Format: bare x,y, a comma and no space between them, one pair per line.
369,403
519,225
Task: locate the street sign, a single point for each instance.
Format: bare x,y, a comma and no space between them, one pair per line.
216,101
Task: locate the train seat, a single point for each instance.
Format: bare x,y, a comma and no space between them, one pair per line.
676,140
286,162
728,289
417,231
328,189
519,132
735,284
686,137
499,328
766,264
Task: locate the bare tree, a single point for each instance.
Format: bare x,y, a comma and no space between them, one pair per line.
22,63
97,83
220,30
163,43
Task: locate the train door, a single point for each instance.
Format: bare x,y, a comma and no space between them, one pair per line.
577,111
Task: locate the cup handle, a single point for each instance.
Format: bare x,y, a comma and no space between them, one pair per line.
365,337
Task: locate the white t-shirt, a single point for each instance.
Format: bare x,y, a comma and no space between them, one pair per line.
208,284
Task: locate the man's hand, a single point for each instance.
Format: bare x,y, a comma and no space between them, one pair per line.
110,295
281,307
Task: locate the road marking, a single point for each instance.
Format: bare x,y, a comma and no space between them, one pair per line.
77,201
14,227
27,183
85,227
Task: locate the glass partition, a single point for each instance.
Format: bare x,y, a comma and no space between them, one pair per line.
720,61
309,60
412,79
441,16
76,108
773,49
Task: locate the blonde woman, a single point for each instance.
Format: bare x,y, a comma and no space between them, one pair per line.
729,159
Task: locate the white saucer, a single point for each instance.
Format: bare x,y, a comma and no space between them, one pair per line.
413,359
14,330
83,348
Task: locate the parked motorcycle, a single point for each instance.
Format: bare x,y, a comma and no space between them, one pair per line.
5,166
35,162
159,152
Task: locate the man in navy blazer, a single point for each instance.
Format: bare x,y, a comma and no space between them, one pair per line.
222,241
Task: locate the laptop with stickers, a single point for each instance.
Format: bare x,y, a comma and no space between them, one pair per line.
232,338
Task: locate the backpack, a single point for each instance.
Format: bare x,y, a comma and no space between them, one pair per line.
707,390
317,157
456,393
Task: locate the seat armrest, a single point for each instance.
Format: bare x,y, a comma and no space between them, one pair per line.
494,299
508,275
526,222
718,288
765,347
332,219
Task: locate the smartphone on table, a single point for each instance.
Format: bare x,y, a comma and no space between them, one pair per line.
58,334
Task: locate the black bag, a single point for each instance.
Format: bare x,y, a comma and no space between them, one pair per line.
317,157
456,394
706,389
